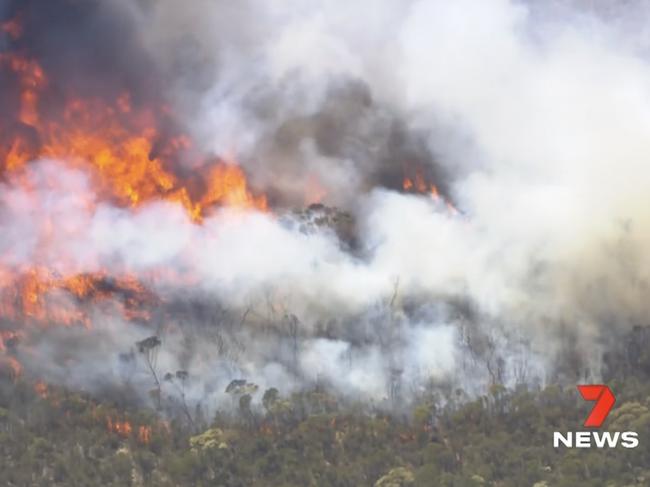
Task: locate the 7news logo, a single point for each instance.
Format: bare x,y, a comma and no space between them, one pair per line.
604,402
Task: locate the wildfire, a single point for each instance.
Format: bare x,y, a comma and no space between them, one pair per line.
125,429
122,428
15,366
129,151
144,434
227,184
118,143
418,184
41,389
8,339
38,296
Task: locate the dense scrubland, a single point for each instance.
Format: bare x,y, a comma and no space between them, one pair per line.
54,437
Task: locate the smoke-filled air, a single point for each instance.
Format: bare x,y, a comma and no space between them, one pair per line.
379,198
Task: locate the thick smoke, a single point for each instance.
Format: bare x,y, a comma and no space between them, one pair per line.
532,120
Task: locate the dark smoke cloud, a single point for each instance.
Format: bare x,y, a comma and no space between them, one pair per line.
88,48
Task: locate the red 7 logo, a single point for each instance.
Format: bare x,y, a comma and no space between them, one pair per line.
605,401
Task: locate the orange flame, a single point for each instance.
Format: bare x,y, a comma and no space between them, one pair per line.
129,158
126,430
15,368
123,151
41,389
418,184
122,428
37,296
144,434
120,145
